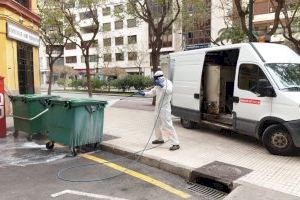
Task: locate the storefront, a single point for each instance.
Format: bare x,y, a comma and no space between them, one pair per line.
19,46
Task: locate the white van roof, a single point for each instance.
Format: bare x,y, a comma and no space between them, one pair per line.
270,52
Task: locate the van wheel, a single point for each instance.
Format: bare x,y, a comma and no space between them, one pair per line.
188,124
277,140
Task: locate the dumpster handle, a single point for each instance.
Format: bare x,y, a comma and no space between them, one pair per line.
30,119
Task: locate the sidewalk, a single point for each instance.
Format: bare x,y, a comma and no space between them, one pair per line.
199,147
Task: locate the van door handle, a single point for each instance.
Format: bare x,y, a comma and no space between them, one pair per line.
196,96
236,99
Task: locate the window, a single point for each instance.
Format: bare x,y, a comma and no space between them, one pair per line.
119,9
131,23
167,38
24,3
106,11
106,27
87,15
107,42
92,58
119,56
118,25
132,39
88,29
132,56
107,57
94,43
249,74
70,46
57,49
58,62
119,40
71,59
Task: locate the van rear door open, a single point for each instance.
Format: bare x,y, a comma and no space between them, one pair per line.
186,81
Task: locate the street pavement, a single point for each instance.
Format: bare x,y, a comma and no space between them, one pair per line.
202,146
39,181
128,125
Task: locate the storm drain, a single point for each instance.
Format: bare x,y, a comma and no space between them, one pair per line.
207,193
215,180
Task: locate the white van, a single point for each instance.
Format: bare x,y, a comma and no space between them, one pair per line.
249,88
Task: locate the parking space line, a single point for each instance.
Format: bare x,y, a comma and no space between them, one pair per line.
85,194
138,175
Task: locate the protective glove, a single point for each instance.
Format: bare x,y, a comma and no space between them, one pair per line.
159,83
140,92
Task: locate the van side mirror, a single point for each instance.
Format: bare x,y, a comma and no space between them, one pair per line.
265,89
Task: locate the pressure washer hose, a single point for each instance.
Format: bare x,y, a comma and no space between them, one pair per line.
138,153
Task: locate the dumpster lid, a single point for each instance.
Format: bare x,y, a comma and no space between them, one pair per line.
77,102
31,97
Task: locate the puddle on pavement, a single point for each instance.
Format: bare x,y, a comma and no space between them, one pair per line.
20,152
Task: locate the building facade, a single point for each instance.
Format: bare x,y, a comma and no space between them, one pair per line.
264,18
121,42
19,40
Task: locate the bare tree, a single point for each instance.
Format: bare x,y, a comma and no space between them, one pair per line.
290,22
51,26
243,13
75,30
160,15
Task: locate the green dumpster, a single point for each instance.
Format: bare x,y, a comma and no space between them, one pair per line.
75,122
30,113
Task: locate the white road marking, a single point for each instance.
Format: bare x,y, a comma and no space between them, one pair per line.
96,196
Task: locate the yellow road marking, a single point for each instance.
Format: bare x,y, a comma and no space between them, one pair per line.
145,178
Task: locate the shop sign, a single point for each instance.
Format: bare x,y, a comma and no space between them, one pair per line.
21,34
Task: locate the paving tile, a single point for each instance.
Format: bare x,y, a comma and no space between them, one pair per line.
202,146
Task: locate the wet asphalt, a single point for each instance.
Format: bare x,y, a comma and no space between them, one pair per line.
29,171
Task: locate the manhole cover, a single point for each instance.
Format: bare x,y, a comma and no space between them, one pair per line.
219,172
207,193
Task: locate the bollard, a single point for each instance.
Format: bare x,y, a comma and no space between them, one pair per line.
2,109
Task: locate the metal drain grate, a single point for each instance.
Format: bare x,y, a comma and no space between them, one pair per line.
207,192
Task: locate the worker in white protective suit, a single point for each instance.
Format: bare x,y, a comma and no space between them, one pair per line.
164,125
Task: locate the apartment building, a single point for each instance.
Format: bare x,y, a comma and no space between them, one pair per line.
264,18
121,42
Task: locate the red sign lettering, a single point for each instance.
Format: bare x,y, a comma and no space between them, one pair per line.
250,101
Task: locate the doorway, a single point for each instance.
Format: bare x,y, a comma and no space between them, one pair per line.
217,86
25,68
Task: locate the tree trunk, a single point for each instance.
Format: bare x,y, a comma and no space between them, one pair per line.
66,83
155,63
109,85
50,78
155,60
88,75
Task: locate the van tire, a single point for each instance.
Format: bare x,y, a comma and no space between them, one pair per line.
188,124
277,140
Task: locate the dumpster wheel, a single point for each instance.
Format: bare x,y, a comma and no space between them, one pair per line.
50,145
74,151
29,137
16,134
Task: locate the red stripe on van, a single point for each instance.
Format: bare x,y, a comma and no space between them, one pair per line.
250,101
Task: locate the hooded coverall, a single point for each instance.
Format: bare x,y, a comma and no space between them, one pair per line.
164,125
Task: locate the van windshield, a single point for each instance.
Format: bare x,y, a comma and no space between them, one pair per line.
286,75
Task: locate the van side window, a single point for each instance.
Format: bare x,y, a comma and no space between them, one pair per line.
249,74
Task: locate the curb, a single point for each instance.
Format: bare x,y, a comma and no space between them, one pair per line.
168,166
